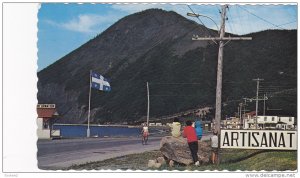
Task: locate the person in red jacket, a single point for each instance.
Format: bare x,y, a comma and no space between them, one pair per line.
190,133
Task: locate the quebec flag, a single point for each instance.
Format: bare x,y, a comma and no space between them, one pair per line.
99,82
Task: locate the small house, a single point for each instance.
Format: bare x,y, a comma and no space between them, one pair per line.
47,115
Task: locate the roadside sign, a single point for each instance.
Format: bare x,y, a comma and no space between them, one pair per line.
259,139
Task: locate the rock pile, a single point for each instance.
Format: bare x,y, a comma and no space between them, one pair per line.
177,149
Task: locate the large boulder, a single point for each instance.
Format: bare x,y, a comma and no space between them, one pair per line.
177,149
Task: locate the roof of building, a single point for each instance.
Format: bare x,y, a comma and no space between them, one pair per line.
252,113
46,112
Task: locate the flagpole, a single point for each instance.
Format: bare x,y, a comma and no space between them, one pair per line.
89,112
148,108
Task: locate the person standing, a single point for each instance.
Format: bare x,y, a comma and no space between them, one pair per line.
190,133
198,128
214,146
175,128
145,134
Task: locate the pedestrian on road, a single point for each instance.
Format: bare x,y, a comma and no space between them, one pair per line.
175,128
190,133
145,134
215,147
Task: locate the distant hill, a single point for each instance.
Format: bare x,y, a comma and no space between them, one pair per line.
156,46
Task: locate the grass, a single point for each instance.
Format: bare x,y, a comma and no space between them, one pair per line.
132,162
268,161
232,160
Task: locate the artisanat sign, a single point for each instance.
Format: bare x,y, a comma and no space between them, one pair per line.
259,139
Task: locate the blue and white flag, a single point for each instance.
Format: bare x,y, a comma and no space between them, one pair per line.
99,82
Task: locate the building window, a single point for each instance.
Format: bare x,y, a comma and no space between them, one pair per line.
279,119
273,118
290,119
265,118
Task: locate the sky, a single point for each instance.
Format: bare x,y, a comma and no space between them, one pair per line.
63,28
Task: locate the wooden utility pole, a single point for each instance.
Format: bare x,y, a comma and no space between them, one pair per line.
240,114
221,40
256,110
244,115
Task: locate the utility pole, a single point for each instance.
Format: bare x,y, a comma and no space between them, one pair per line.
221,40
256,110
241,105
245,106
265,104
244,115
245,100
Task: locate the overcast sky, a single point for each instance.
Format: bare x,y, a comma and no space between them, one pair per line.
64,27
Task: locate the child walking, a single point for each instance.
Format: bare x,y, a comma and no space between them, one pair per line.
190,133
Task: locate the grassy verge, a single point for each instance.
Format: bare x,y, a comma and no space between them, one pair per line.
132,162
232,160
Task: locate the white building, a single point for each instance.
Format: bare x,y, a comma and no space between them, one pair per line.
151,124
158,124
270,122
231,123
46,115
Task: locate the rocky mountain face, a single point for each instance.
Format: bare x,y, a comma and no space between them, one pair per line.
155,46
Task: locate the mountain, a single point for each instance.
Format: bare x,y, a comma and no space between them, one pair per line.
155,46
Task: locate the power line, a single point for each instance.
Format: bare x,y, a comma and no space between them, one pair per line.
260,17
288,23
293,13
200,21
219,10
229,23
229,12
239,17
249,25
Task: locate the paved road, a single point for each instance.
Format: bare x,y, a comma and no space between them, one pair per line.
60,154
